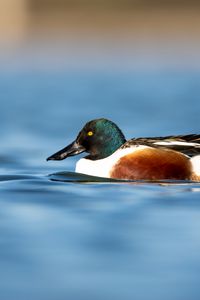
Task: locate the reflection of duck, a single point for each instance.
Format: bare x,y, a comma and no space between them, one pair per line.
110,155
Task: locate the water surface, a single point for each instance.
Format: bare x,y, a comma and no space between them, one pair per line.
66,236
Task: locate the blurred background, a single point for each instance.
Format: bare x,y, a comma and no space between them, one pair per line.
98,34
65,62
62,63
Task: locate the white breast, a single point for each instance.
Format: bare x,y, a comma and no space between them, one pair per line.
102,167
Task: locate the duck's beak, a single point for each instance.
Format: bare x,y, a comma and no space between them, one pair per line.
72,149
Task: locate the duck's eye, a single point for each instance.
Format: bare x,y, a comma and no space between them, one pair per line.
90,133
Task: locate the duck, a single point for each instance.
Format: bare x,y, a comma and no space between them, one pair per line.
110,155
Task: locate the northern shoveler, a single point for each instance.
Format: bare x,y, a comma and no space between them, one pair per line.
110,155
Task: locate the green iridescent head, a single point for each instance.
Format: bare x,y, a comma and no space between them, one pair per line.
99,137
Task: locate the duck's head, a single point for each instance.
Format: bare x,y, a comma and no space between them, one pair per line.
100,138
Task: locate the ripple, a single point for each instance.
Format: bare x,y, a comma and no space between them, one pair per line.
16,177
83,178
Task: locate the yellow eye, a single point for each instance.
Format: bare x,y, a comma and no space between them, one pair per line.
90,133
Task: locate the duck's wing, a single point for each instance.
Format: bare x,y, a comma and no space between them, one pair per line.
187,144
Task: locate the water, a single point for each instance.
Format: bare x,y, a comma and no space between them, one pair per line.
66,236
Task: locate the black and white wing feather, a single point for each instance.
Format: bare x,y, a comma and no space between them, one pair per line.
187,144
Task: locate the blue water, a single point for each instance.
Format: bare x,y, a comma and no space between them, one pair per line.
65,236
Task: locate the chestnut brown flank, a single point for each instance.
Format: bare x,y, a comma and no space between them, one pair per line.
152,164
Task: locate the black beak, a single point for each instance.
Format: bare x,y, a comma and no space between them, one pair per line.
73,149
